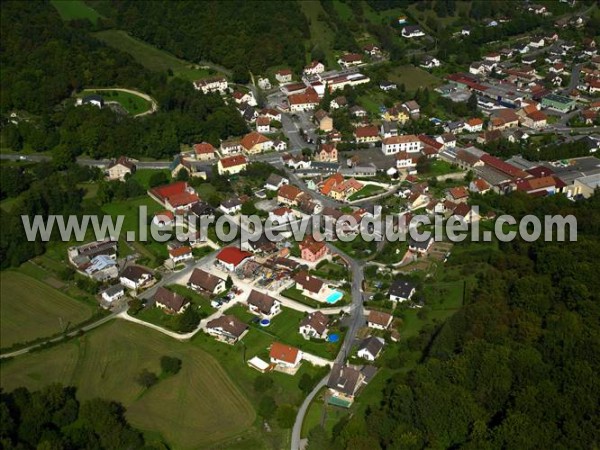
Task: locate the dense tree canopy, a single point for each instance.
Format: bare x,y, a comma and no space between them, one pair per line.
516,366
236,34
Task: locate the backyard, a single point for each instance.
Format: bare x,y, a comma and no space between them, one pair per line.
133,104
368,190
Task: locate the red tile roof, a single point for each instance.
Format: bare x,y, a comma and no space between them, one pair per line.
165,191
366,131
503,167
204,148
179,251
289,192
253,138
232,161
233,255
283,352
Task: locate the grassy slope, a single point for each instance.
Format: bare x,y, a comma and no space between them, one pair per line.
321,34
414,78
75,9
151,57
195,408
31,309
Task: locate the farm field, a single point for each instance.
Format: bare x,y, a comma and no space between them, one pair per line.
151,57
31,309
133,104
198,407
75,9
414,78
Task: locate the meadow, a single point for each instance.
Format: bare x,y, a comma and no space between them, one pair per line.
198,407
75,9
31,309
414,78
151,57
133,104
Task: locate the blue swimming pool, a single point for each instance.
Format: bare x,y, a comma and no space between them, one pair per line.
333,337
334,296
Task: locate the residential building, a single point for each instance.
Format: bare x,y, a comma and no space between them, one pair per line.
408,143
231,258
263,124
171,302
227,328
379,320
274,182
263,305
254,143
113,293
312,250
215,84
413,108
420,247
135,277
412,31
180,254
204,151
175,196
305,101
283,76
327,153
474,125
120,168
309,286
230,147
201,280
350,60
288,194
314,326
314,68
232,165
389,129
401,290
343,383
370,348
366,134
285,356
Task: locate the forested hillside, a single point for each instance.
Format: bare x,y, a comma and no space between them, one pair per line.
44,61
238,34
517,366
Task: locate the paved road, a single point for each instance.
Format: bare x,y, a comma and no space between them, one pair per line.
357,320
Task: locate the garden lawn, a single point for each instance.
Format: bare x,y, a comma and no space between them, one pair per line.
133,104
197,408
414,78
31,309
368,190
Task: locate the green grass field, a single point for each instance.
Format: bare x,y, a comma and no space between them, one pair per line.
142,176
151,57
198,407
133,104
320,32
414,78
367,191
75,9
31,309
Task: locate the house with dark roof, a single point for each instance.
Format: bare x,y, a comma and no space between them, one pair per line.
135,277
344,383
309,285
263,305
420,247
227,328
113,293
201,280
401,290
171,302
274,182
314,325
370,348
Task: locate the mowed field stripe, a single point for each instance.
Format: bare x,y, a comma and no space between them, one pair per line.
30,309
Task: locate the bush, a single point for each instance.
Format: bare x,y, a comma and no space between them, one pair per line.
267,407
262,383
286,416
170,365
146,379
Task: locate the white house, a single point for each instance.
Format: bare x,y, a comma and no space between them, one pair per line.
135,277
180,254
285,356
314,68
370,348
274,182
401,290
412,31
201,280
113,293
429,62
379,320
405,143
216,84
263,305
283,75
314,325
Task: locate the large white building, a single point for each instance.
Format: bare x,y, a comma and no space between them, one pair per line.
218,84
408,143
